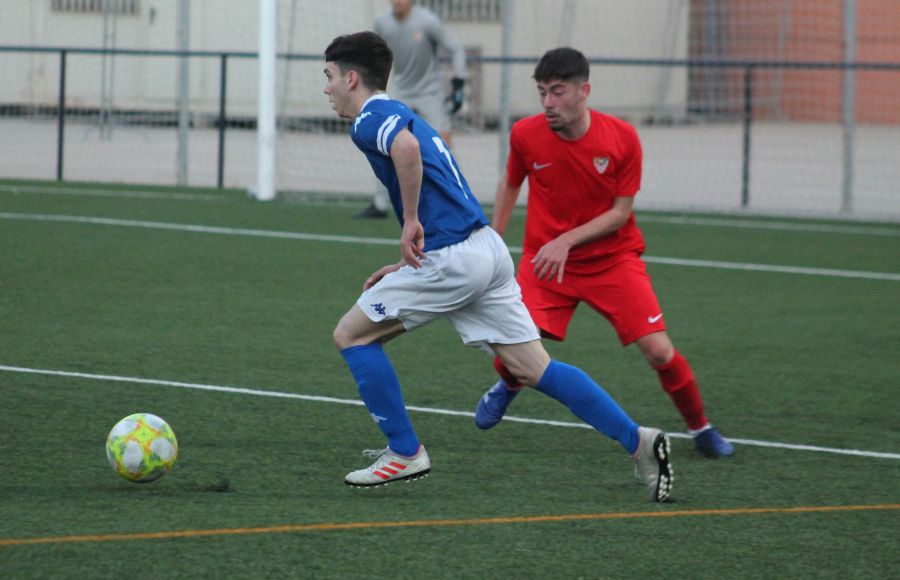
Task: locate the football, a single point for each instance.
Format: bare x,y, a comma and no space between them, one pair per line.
141,448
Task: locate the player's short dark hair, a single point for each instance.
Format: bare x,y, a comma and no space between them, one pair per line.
366,53
562,64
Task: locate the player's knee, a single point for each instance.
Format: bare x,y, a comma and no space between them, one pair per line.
341,337
526,361
658,351
658,357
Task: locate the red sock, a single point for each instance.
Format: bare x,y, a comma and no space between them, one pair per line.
512,382
677,380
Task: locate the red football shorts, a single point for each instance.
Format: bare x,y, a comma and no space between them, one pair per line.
622,294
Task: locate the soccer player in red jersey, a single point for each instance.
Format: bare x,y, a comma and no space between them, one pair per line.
581,240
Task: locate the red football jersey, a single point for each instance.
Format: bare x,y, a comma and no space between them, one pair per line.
572,182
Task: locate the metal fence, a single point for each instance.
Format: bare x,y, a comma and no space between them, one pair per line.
481,131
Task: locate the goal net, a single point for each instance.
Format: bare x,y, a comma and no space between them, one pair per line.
800,140
785,145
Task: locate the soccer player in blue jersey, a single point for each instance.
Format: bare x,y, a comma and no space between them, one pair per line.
453,266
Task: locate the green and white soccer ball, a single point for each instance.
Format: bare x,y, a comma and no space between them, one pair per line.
141,448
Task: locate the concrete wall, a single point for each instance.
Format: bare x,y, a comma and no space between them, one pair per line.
803,30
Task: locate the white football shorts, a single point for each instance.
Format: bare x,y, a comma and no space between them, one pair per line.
471,284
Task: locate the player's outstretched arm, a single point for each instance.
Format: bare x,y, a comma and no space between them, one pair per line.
407,161
449,43
550,260
504,202
604,224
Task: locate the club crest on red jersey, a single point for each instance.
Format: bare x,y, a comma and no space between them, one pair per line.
600,164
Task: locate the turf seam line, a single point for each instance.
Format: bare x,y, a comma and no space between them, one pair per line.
329,527
431,410
194,228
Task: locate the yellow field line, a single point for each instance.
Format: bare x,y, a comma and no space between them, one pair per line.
327,527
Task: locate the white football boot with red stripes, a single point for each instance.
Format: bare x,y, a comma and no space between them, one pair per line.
652,464
390,467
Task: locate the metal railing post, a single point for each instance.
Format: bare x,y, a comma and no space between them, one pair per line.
848,106
223,79
748,120
505,82
61,115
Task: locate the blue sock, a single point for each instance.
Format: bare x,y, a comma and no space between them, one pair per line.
589,402
379,389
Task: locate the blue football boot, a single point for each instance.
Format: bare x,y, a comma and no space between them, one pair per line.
710,443
492,405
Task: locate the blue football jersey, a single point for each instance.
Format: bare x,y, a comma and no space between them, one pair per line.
448,210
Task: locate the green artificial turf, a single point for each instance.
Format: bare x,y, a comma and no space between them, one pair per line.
780,358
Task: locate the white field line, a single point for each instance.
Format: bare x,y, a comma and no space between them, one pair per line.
388,242
86,192
772,268
771,225
431,410
198,228
761,224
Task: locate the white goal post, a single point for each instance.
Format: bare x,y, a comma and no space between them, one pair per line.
266,138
